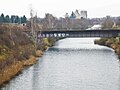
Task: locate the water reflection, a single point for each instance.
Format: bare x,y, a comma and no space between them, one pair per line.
72,64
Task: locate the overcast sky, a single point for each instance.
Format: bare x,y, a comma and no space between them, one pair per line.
95,8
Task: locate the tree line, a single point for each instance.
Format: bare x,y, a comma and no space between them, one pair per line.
12,19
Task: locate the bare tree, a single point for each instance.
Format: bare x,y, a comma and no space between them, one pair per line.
33,27
108,23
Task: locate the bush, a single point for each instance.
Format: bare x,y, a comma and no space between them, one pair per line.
12,42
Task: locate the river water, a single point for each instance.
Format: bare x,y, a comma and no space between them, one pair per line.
72,64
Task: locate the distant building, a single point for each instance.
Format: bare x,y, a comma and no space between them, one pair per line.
66,15
95,27
83,14
79,14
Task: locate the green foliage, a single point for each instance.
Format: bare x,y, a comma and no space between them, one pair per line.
2,19
17,19
7,19
23,19
12,19
45,40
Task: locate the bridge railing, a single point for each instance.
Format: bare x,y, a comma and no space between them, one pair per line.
80,33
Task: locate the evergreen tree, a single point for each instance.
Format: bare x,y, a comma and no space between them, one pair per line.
2,19
23,19
13,19
7,19
17,19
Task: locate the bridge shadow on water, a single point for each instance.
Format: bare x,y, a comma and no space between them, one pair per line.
79,51
53,49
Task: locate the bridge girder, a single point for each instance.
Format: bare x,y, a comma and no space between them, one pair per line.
79,33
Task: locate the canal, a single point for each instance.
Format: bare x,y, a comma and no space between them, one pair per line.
72,64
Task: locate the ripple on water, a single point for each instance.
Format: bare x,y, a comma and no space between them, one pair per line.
72,64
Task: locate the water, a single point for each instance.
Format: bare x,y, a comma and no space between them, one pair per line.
72,64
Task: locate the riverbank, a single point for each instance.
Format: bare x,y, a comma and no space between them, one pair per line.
11,70
71,64
113,43
17,51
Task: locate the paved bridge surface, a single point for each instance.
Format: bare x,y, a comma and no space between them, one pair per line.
78,33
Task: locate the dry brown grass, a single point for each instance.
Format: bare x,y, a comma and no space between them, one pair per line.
11,70
13,27
113,43
16,51
39,53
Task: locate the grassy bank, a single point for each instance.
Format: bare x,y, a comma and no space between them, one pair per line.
113,43
17,51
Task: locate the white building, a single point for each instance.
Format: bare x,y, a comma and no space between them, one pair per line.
83,14
77,14
66,15
95,27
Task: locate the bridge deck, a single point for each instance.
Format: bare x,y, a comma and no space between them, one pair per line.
79,33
